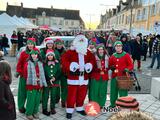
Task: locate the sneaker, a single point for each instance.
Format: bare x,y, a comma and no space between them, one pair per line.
53,111
36,116
45,112
22,110
150,67
82,112
69,115
29,117
157,67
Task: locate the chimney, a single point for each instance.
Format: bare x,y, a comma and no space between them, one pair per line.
7,4
51,7
21,5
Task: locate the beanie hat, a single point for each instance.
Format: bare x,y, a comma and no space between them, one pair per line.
50,52
48,40
59,41
31,40
34,51
118,42
99,46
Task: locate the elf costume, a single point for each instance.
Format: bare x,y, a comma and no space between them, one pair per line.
44,50
119,63
77,65
52,70
99,81
19,71
35,81
62,77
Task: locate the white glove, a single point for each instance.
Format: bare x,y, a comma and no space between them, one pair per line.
88,67
74,66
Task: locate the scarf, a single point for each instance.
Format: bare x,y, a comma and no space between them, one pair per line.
32,78
98,60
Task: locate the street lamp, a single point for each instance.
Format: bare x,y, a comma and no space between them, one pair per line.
130,26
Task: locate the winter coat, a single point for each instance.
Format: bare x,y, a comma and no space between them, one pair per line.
5,42
7,104
137,51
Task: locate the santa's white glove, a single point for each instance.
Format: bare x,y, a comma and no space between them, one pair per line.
88,67
74,66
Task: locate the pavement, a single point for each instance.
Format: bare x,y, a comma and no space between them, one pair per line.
147,102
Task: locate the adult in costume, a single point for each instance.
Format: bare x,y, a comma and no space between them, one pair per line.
77,65
120,63
99,81
59,46
19,72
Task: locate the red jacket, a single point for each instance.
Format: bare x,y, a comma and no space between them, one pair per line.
72,56
31,87
21,62
100,72
120,64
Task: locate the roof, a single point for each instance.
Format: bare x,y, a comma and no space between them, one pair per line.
51,12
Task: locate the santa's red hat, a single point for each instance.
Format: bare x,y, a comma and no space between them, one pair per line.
50,52
48,40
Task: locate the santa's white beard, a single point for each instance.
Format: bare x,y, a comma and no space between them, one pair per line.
81,48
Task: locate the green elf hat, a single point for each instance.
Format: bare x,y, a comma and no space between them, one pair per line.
32,41
59,41
118,43
34,51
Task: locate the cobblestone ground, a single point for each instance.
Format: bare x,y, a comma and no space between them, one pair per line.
147,102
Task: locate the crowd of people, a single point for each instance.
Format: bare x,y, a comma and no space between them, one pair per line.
66,74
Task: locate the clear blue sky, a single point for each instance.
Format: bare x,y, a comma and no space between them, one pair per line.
87,8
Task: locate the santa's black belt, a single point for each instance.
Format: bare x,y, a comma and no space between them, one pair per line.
77,73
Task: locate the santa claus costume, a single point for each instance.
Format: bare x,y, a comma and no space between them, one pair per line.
77,64
120,63
99,81
52,72
59,46
35,81
19,72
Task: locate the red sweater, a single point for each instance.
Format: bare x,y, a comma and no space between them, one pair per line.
31,87
100,72
120,64
21,62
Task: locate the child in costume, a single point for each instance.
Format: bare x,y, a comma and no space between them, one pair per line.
120,63
52,72
99,81
35,81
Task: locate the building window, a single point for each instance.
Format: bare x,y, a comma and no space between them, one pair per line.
61,22
66,22
72,23
153,11
138,15
144,14
122,18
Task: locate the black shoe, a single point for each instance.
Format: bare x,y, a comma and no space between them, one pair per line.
69,115
82,112
22,110
157,68
53,111
144,60
45,112
150,67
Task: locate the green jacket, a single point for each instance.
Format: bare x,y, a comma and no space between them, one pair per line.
52,71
